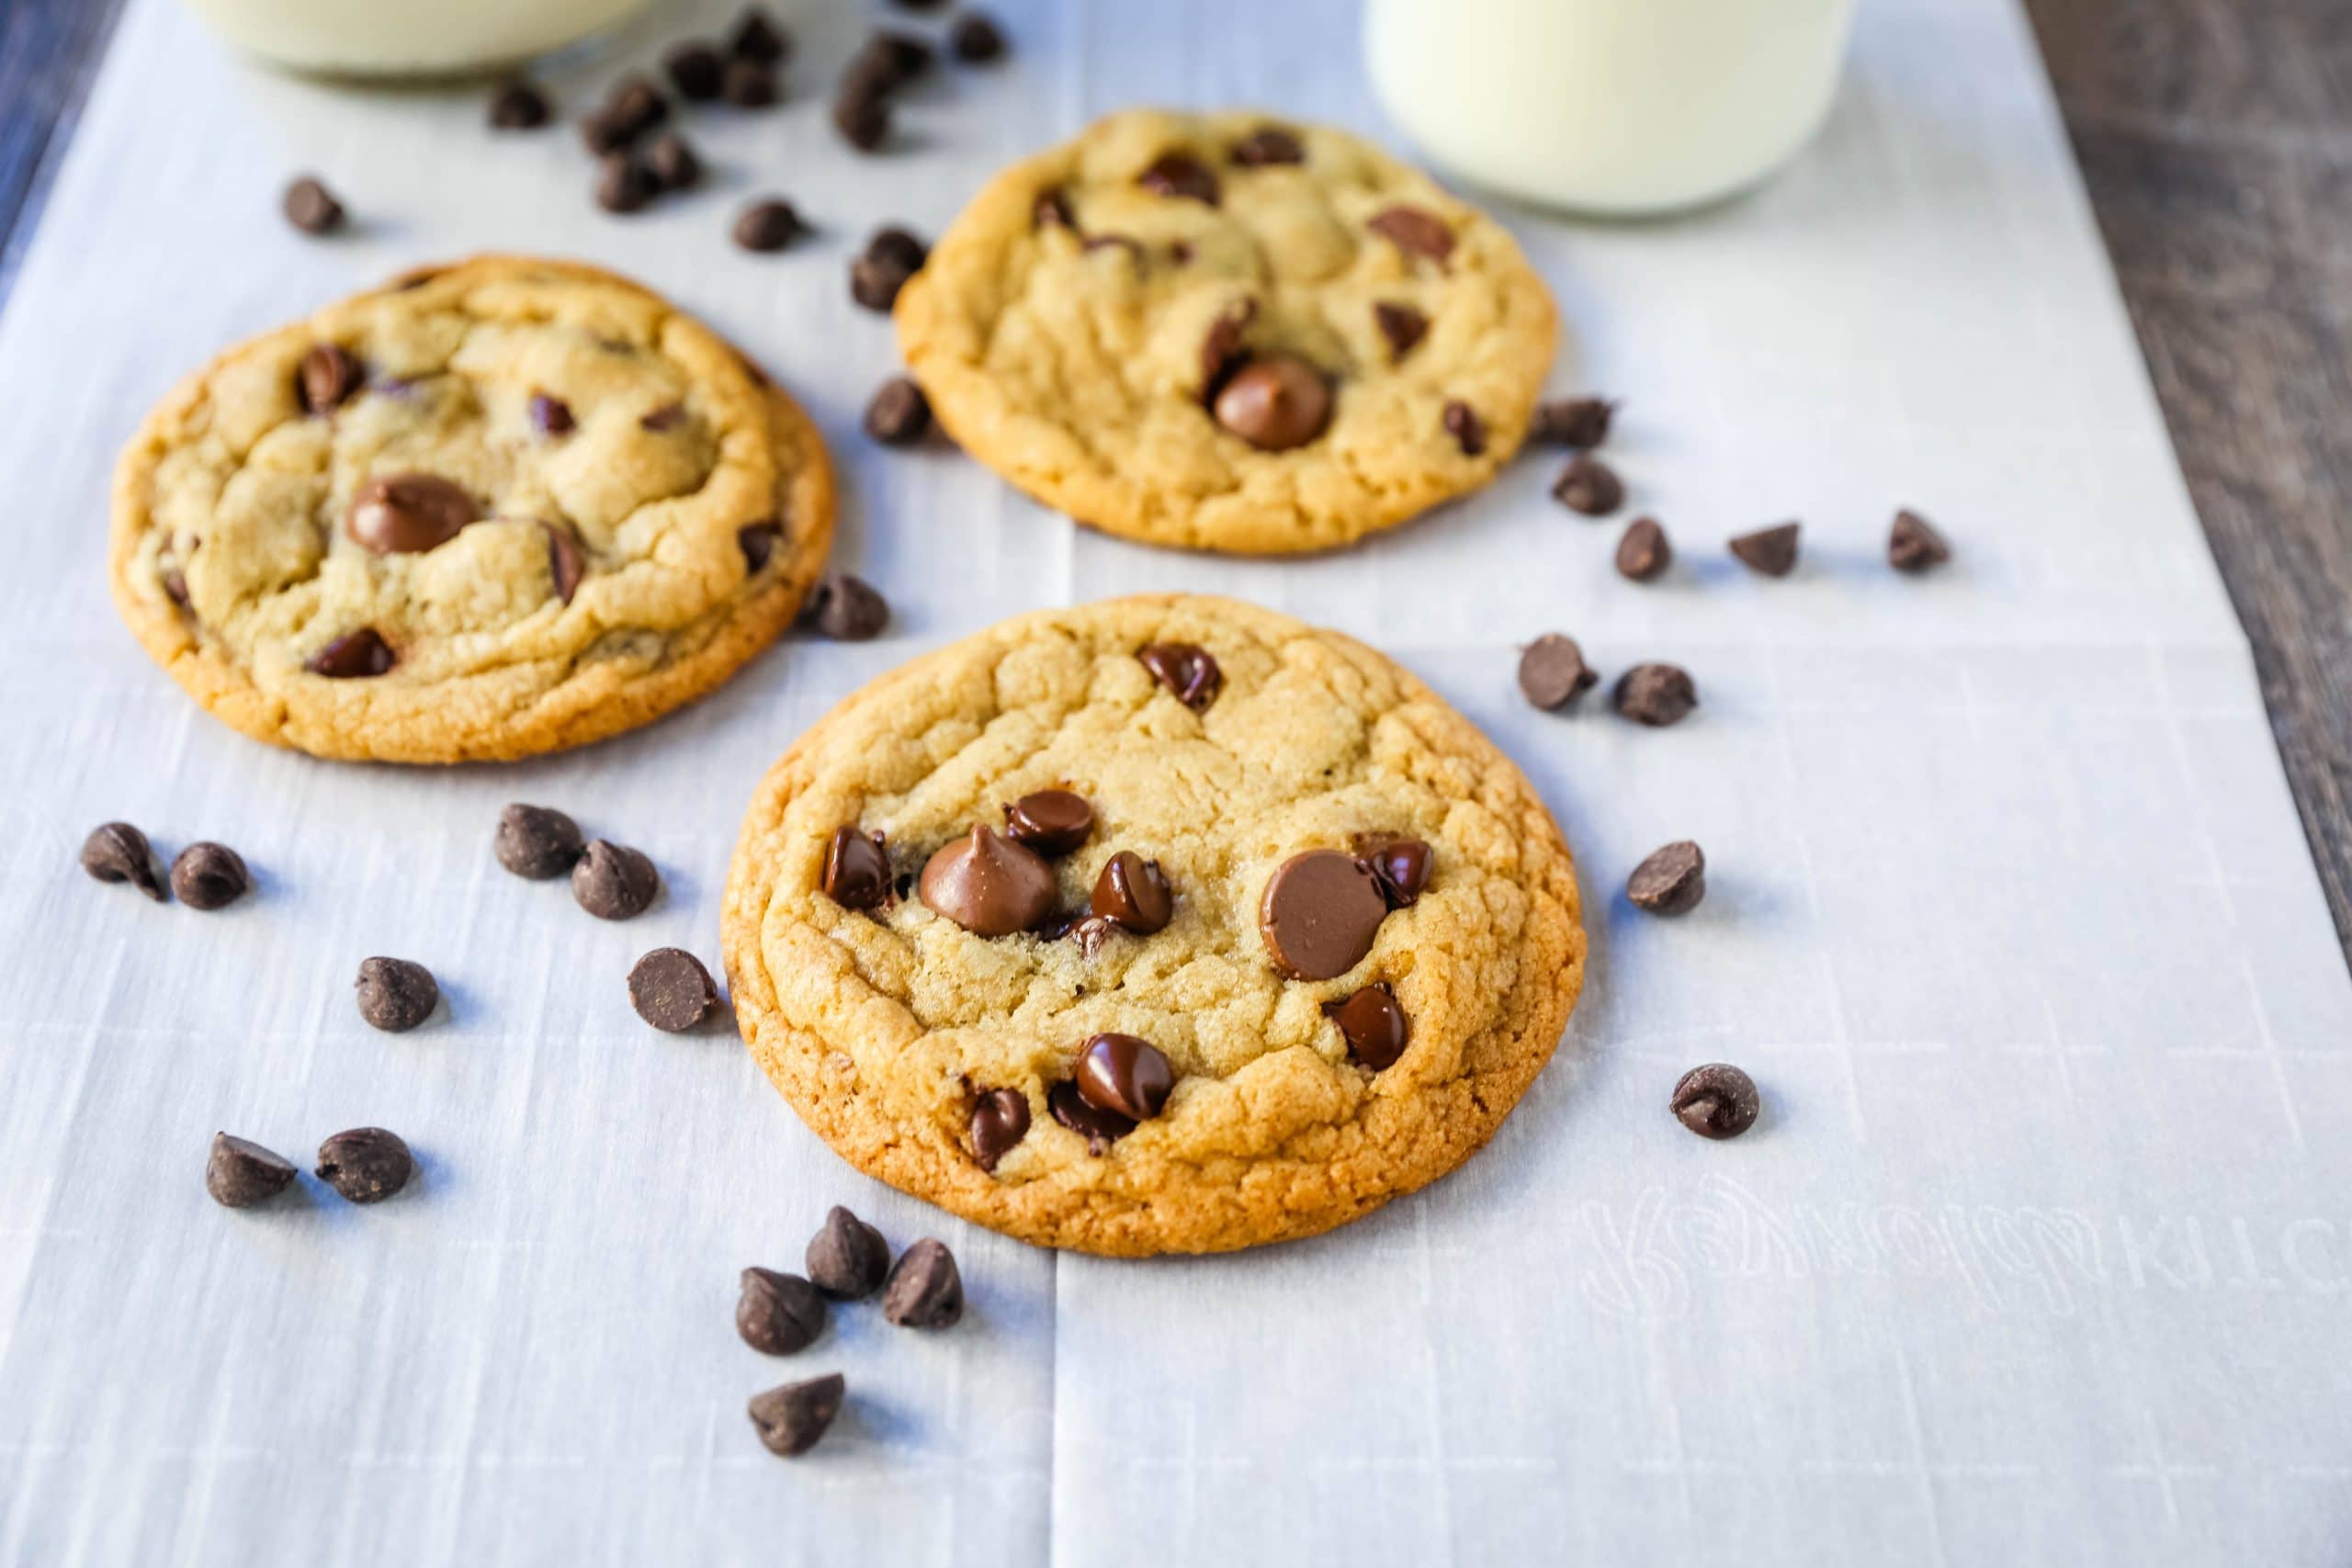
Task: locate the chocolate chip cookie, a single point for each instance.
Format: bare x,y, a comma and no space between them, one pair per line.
1228,332
1159,924
491,509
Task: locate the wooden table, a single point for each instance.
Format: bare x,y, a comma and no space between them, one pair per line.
2216,137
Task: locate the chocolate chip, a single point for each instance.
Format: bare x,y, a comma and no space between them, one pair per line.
1190,672
405,513
1275,403
1051,210
1589,486
892,58
924,1290
353,656
1716,1101
1913,544
551,416
848,1257
756,36
1572,421
758,541
778,1314
1099,1128
857,873
210,877
693,68
1133,893
864,119
1655,695
847,608
671,989
601,132
975,39
624,184
1644,552
1320,912
768,225
1372,1025
567,563
1401,866
749,85
396,995
517,105
891,258
328,376
612,882
176,586
311,207
536,842
900,247
669,416
1414,230
792,1417
1177,173
999,1120
117,851
1469,431
671,159
899,415
1125,1076
1553,673
1221,346
1402,325
1769,551
366,1165
239,1173
988,885
1267,144
636,106
1051,821
1671,881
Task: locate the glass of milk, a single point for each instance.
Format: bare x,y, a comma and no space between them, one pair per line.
407,37
1608,107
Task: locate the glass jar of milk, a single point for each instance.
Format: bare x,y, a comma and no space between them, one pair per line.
1615,107
406,38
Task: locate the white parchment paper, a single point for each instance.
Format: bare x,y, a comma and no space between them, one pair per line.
2042,1253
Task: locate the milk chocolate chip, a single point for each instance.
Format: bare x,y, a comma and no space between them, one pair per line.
328,376
988,885
1133,893
1179,174
1320,912
1187,671
404,514
1124,1075
857,873
353,656
999,1120
1371,1023
1051,821
1275,403
1415,231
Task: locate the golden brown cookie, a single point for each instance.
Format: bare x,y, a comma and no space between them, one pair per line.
491,509
1159,924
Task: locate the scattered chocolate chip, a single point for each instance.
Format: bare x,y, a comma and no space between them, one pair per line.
210,877
748,84
1469,431
517,105
240,1173
601,133
1644,552
1572,421
1267,144
567,563
1177,173
792,1417
999,1120
857,873
847,608
975,39
536,842
693,68
1125,1076
1051,821
1553,673
756,36
891,258
636,106
624,184
758,542
1403,326
900,247
1052,210
1589,486
1401,866
1132,893
1671,881
1221,346
1190,672
117,851
778,1314
988,885
1099,1128
1655,695
366,1165
328,376
1275,403
863,120
1769,551
405,513
671,989
1716,1101
1914,545
848,1258
353,656
396,995
1319,914
671,159
768,225
1372,1025
551,416
613,882
890,60
311,207
924,1290
899,415
1414,230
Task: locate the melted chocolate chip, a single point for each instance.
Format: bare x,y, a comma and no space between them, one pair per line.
999,1120
1133,893
1372,1025
1177,173
1553,673
1099,1128
1655,695
1401,865
1671,881
1320,912
758,542
1772,552
1051,821
1266,145
1221,346
1402,325
988,885
1187,671
1124,1076
1644,552
405,513
1414,230
1469,431
1717,1100
857,873
329,375
1914,545
567,564
1275,403
353,656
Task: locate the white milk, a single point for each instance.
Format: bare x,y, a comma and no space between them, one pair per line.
406,38
1609,106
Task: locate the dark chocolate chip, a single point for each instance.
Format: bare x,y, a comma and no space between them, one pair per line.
1589,486
240,1173
988,885
1553,673
405,513
176,586
536,842
1133,893
612,882
857,873
671,989
1644,552
636,106
863,120
900,247
1267,144
999,1120
848,1258
329,375
396,995
891,258
847,608
1469,431
749,85
551,416
601,132
311,207
768,225
117,851
1572,421
898,416
778,1314
1099,1128
567,563
924,1290
1415,230
1177,173
1221,346
1914,545
1773,552
695,68
366,1165
1320,912
975,39
353,656
1125,1076
1052,211
210,877
624,184
671,159
756,36
1671,881
758,541
517,105
891,58
1716,1101
1275,403
792,1417
1402,325
1655,695
1051,821
1190,672
1372,1025
1401,864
